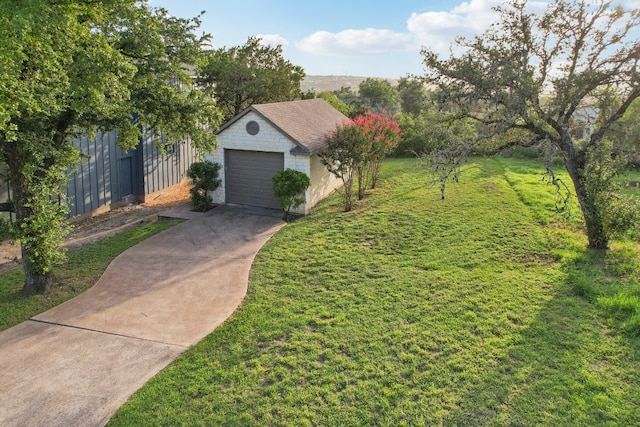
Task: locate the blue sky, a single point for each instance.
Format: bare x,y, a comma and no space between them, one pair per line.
344,37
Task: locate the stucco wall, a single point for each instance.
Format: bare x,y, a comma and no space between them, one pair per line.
270,139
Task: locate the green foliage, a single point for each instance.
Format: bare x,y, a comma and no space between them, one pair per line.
620,212
517,152
502,78
290,186
250,74
41,224
379,96
7,231
381,135
117,64
413,95
204,179
626,133
431,130
336,103
459,313
83,267
355,105
358,148
341,158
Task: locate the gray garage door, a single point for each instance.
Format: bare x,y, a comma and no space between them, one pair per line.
248,177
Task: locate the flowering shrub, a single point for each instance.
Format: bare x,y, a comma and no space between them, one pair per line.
341,157
358,148
383,136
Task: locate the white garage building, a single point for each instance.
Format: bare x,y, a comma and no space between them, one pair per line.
266,138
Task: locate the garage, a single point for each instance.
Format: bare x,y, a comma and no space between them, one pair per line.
266,138
248,177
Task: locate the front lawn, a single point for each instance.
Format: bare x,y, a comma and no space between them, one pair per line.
415,311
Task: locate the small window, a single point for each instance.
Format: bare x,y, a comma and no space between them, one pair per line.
253,127
170,148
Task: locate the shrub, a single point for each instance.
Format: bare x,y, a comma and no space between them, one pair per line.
343,154
289,186
359,147
204,176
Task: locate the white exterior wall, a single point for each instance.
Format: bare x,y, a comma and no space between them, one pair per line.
270,139
323,183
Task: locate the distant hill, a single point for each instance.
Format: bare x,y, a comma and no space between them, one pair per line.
331,83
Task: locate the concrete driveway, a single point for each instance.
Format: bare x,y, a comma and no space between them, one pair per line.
75,364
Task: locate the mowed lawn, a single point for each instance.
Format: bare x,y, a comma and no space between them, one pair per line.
415,311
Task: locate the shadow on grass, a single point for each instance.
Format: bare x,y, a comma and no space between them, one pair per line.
564,368
610,280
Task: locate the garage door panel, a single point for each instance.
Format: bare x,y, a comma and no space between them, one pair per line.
248,177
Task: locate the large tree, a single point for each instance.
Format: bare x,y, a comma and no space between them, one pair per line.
378,95
69,68
413,95
250,74
537,77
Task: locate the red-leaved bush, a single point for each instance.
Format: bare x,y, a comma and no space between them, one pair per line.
359,147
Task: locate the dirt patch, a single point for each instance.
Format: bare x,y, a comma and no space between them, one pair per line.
93,228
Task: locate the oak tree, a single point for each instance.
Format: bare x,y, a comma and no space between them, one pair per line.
254,73
413,95
70,68
379,95
537,77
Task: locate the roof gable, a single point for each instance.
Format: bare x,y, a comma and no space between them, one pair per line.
306,122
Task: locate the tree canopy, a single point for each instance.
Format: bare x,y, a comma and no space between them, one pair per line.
534,77
71,68
254,73
413,95
379,95
335,102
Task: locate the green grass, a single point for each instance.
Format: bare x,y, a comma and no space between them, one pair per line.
610,279
83,268
630,181
414,311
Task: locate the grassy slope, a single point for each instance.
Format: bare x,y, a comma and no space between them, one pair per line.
83,268
410,311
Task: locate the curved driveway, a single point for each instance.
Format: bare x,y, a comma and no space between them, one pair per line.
75,364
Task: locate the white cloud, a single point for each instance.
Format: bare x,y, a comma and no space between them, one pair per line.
437,30
369,41
272,40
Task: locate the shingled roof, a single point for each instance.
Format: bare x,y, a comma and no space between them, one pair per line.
306,122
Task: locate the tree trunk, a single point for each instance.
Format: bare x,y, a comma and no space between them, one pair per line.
34,283
596,233
362,180
376,165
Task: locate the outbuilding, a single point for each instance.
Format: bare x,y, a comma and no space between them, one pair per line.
267,138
